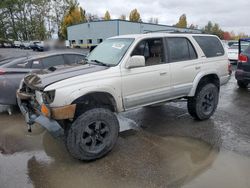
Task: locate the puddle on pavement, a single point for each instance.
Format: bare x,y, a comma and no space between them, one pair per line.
140,159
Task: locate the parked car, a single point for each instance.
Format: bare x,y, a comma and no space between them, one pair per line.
242,73
124,73
233,51
13,71
40,47
33,45
17,44
231,42
25,45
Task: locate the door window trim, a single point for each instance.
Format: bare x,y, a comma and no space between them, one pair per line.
168,50
165,60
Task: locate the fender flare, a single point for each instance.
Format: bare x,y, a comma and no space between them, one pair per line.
197,79
95,89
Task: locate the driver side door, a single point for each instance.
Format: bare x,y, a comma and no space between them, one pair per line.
149,84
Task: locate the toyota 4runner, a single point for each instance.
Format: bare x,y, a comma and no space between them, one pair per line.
120,74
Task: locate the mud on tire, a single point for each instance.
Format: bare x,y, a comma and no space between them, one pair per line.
203,105
93,134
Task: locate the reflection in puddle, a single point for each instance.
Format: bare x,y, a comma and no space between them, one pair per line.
142,158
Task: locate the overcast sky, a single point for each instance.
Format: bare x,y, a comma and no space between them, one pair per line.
231,15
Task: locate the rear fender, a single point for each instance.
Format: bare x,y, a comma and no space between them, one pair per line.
197,80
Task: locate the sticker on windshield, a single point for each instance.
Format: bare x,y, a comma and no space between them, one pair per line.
118,45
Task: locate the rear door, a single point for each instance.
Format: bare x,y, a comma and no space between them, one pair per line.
184,64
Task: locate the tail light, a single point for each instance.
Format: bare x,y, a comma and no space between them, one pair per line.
2,72
243,58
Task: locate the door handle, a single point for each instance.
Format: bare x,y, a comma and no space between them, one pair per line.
163,73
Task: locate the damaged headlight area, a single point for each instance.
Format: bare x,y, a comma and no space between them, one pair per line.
48,96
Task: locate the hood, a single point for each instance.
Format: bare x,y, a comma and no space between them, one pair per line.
40,79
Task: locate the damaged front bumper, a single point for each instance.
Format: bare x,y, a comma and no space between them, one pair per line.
34,114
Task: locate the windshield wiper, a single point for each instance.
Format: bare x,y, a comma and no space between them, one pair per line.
99,63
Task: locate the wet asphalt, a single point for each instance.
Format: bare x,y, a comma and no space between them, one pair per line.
166,148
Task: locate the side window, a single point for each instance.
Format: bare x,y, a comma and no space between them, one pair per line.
71,58
180,49
210,45
36,64
53,61
152,50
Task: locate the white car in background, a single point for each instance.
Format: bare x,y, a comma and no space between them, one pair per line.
233,51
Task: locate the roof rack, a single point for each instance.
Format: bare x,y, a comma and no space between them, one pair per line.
168,31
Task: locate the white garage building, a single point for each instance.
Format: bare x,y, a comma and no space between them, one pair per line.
92,33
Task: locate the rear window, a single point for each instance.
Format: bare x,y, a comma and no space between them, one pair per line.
211,46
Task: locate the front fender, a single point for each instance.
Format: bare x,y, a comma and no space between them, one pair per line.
197,79
93,89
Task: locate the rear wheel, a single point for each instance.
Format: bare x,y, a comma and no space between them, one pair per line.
203,105
93,134
242,84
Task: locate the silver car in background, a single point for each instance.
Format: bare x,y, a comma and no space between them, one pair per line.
12,71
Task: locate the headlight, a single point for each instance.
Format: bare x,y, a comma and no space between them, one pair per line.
48,96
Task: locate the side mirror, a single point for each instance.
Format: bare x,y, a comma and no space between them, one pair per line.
136,61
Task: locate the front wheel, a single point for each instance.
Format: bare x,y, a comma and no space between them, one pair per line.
203,105
93,134
242,84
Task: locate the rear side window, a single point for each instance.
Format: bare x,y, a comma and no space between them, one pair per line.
180,49
211,46
53,61
72,58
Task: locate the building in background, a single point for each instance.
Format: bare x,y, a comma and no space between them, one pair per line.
92,33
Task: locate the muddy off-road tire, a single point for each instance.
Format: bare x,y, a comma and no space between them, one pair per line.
203,105
242,84
93,134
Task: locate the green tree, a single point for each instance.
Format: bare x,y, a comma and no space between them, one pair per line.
74,15
134,16
153,20
208,28
213,29
122,17
182,21
107,16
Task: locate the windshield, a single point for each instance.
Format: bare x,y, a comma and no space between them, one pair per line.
111,51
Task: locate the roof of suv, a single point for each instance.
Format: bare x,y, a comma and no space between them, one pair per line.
137,36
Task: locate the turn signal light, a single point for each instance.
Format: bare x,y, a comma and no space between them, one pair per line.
45,110
243,58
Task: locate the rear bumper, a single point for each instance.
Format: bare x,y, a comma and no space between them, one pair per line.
242,75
